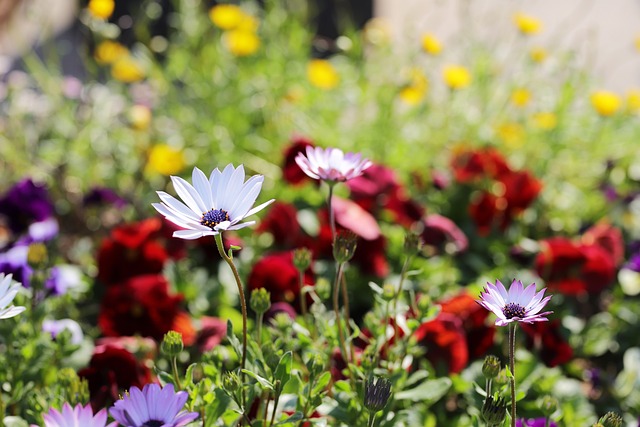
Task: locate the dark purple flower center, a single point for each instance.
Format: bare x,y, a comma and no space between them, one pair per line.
153,423
513,309
214,217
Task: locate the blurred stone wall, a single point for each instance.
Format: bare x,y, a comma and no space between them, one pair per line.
602,33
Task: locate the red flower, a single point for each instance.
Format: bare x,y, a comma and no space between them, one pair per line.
445,342
487,211
469,166
291,172
520,190
378,188
442,233
277,274
139,306
282,223
574,268
545,339
132,250
111,371
608,238
211,334
479,335
371,257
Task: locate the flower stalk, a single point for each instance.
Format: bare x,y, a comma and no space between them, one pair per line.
512,368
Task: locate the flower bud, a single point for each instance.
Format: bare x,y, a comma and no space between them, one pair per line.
491,367
37,255
412,244
548,405
231,382
611,419
494,411
388,292
323,288
260,300
302,259
424,303
344,246
376,393
316,364
172,344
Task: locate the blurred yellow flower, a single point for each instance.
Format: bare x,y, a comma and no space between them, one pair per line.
226,16
544,120
520,97
241,42
248,23
165,160
456,76
126,69
322,74
605,103
538,54
108,51
431,44
527,24
101,9
140,117
633,100
416,89
512,134
377,31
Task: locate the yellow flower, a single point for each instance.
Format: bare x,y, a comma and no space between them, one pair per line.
140,116
415,91
165,160
241,42
527,24
108,51
431,44
520,97
248,23
512,134
322,74
101,9
127,70
605,103
226,16
538,54
456,76
633,100
544,120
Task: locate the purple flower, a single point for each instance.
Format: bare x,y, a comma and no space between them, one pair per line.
634,263
55,327
520,304
331,164
152,407
103,196
537,422
41,231
77,416
62,278
14,261
25,203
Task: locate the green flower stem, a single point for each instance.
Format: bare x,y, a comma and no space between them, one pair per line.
347,316
259,327
176,375
308,318
403,275
332,219
243,306
372,417
546,421
336,309
512,368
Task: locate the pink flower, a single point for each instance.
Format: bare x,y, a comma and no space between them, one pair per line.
520,304
331,164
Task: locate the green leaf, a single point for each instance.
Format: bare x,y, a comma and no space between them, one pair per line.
428,392
216,407
321,383
233,340
375,288
508,372
265,383
15,422
297,416
283,371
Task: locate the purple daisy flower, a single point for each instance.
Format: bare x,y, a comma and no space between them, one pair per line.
520,304
331,164
25,203
77,416
152,407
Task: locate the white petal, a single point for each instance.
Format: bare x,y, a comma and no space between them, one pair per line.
234,187
189,195
6,299
179,207
259,208
220,196
177,219
11,312
202,186
190,234
245,202
241,225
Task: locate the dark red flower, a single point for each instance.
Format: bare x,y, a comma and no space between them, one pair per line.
212,331
338,363
487,211
546,339
132,250
473,165
608,238
291,172
111,371
139,306
281,222
520,190
443,234
574,268
479,334
277,274
371,257
445,342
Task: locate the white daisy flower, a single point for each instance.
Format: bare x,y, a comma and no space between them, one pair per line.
8,292
331,164
519,304
212,205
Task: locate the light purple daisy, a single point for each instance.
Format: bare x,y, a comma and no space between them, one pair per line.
152,407
331,164
212,205
519,304
79,416
8,292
